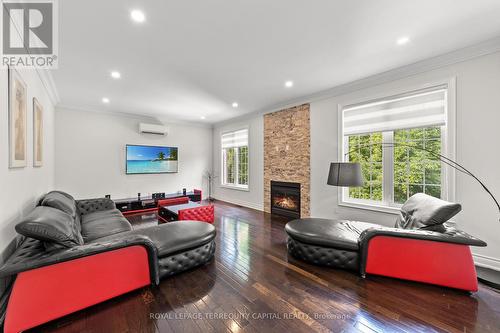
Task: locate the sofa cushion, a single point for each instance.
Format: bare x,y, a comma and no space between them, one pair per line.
173,237
61,192
65,202
422,210
60,200
50,225
337,234
103,223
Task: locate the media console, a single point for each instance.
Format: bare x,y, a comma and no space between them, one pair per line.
148,203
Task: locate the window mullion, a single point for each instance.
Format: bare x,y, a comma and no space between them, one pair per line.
445,184
236,166
345,157
388,168
224,166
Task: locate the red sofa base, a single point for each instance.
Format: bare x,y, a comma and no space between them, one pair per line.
50,292
444,264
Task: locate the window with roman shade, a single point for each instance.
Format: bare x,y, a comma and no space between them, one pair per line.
234,147
412,120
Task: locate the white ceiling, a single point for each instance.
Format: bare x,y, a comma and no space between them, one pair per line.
194,58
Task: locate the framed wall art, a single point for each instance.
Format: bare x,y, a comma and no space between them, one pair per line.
17,120
37,133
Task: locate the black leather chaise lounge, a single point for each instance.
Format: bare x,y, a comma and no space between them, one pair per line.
76,253
421,247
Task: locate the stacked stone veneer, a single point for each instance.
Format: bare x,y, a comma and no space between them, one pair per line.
287,152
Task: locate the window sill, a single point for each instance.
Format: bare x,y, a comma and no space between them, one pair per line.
236,187
371,207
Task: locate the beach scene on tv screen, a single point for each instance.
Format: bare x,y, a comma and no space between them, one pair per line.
148,159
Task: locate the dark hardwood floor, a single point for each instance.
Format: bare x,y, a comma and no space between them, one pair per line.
253,286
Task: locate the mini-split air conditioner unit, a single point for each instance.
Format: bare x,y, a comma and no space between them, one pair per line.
153,129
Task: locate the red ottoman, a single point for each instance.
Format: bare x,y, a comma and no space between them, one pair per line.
202,213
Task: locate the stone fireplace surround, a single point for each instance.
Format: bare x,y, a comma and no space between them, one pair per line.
287,152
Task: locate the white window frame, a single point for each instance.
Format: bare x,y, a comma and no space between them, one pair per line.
223,168
448,149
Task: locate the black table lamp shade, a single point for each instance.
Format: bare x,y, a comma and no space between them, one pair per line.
345,174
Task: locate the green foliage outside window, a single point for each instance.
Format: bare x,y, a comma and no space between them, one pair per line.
230,165
367,150
236,166
415,170
243,165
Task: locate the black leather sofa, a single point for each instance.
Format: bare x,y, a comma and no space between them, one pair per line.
421,247
87,249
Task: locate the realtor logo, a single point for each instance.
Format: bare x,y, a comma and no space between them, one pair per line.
29,33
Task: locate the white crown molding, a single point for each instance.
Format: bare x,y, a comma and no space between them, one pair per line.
45,76
163,120
478,50
74,108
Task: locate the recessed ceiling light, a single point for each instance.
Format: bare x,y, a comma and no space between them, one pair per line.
137,16
234,105
403,40
203,117
115,75
289,84
105,100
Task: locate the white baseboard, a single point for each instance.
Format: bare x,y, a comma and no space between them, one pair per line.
486,262
240,202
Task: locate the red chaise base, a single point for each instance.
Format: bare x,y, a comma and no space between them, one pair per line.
50,292
443,264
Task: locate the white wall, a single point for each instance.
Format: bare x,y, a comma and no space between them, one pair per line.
19,188
90,155
478,137
254,197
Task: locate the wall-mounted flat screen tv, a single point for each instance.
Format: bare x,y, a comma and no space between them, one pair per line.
151,159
